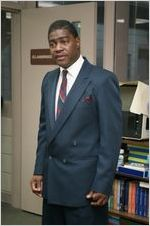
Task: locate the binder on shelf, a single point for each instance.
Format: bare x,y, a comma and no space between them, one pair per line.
138,148
136,171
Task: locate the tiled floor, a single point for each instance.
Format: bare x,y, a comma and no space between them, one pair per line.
13,216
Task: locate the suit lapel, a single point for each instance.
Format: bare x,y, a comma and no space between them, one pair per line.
53,79
74,95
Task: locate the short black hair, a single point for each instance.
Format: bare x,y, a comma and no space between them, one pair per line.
63,24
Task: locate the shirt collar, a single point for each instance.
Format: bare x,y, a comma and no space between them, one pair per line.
74,69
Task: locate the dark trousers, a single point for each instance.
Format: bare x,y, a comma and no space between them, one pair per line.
62,215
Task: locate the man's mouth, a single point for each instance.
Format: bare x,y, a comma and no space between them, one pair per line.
60,57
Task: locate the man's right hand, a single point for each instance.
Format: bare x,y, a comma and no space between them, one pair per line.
37,185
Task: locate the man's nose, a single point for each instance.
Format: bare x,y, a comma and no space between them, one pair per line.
58,47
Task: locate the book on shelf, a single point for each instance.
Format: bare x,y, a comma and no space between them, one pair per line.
143,184
122,192
140,148
133,170
133,197
136,159
126,193
116,194
138,154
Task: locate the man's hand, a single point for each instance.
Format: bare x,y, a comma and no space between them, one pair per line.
97,199
37,185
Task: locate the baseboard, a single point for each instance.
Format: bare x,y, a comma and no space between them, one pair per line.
6,197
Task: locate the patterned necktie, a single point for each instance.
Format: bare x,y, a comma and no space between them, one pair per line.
62,92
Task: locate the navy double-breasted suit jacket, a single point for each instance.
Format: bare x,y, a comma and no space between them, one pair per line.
79,151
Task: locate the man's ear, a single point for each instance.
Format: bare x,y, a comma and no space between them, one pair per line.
78,42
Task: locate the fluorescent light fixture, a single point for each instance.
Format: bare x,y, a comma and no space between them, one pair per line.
47,4
141,21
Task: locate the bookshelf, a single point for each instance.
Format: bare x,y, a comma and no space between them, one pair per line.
119,214
136,142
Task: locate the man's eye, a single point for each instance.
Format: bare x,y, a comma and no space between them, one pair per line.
51,45
64,41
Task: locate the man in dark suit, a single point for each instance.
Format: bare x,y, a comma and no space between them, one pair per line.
79,135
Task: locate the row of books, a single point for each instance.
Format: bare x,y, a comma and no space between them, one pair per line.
130,196
137,162
138,170
138,154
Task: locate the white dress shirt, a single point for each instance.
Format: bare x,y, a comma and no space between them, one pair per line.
72,74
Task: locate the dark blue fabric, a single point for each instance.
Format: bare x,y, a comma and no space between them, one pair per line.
62,215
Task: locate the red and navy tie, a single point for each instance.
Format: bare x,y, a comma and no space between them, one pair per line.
62,92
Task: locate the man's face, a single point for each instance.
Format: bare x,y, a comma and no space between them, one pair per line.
64,47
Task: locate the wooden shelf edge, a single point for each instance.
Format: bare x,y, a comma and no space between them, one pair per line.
124,175
136,142
133,217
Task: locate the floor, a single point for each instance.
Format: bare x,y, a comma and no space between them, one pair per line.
13,216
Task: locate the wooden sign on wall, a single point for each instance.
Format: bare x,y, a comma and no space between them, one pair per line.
41,57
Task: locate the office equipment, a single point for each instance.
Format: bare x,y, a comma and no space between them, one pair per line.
134,96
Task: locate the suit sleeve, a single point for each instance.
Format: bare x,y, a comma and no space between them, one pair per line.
110,127
41,146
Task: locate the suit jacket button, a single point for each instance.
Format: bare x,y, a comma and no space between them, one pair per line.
74,143
64,161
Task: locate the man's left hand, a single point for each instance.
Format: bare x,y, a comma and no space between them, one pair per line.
97,198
